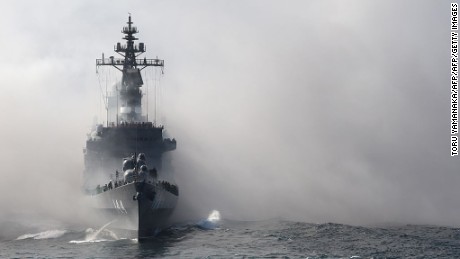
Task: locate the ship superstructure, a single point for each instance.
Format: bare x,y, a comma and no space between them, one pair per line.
123,159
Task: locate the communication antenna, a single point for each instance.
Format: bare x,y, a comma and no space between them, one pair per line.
104,98
130,66
148,97
107,100
155,96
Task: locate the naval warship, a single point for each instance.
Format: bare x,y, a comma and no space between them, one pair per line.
123,174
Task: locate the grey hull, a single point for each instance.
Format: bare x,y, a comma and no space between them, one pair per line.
136,206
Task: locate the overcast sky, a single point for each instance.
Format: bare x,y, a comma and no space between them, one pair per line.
317,111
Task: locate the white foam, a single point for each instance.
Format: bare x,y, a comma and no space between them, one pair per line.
89,241
99,240
43,235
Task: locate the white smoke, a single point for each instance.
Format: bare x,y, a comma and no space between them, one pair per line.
314,111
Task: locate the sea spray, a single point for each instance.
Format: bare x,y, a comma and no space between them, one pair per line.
94,236
211,222
43,235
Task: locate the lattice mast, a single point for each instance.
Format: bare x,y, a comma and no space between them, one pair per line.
130,65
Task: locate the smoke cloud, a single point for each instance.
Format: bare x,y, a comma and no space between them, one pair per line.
317,111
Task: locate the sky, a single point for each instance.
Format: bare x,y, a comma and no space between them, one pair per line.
314,111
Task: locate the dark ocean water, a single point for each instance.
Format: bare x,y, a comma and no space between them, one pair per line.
233,239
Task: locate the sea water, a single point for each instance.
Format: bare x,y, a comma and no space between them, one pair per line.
216,238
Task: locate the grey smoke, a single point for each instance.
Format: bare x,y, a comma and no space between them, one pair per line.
306,110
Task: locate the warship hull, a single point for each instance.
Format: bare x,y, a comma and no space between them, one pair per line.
140,207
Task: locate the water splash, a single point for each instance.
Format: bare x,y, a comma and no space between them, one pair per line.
92,236
214,216
43,235
211,222
100,235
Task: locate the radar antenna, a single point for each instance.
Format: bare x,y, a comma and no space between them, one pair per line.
130,66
